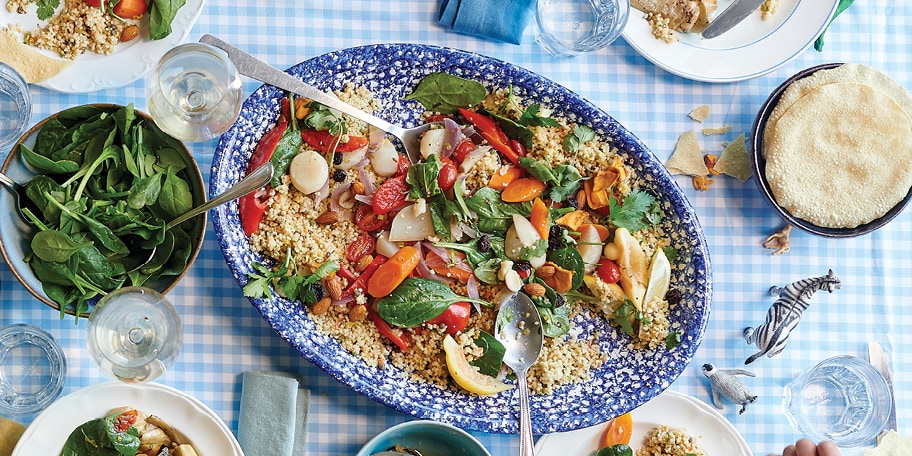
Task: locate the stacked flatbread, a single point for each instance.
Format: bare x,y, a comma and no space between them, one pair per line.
838,145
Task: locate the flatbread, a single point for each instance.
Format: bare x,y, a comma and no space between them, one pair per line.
687,157
839,156
891,443
734,160
847,72
31,64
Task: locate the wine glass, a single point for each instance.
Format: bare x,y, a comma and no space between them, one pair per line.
195,92
134,334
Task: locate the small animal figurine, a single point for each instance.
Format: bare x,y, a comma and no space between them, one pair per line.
726,383
784,315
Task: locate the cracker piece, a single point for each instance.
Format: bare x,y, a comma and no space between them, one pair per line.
717,130
734,160
687,157
31,64
700,113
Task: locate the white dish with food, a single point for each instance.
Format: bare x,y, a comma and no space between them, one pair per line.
127,63
750,49
715,434
205,430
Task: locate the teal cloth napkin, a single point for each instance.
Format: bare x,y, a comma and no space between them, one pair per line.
843,4
273,418
499,20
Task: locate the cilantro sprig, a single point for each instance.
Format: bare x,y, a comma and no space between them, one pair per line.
287,280
639,210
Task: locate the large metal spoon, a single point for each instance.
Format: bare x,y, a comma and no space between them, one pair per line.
519,329
252,67
256,179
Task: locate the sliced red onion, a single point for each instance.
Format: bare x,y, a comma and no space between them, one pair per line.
366,178
366,199
472,158
425,272
374,136
472,292
336,194
452,137
439,251
321,194
344,300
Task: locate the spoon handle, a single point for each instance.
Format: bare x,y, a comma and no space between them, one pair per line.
526,447
258,178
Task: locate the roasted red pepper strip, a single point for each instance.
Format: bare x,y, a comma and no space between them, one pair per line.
250,209
490,131
361,280
396,336
324,141
518,147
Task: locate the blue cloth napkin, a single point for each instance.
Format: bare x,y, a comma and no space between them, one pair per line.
843,4
499,20
273,418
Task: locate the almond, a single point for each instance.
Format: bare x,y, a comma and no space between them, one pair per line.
357,313
130,32
320,307
357,188
534,289
363,262
545,271
333,287
328,218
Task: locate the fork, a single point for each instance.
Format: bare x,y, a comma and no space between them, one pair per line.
250,66
17,190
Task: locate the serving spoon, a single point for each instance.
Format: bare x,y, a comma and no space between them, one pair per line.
256,179
252,67
518,327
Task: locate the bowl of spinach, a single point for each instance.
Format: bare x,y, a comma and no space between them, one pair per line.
101,182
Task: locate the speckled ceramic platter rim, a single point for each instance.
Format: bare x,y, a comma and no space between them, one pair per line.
627,379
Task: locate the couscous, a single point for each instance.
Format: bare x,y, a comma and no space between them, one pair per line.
611,268
664,441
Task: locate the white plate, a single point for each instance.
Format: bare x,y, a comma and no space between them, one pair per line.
750,49
205,430
129,61
675,410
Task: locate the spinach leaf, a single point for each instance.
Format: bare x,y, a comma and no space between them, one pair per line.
145,192
47,165
423,178
286,149
555,320
486,271
512,129
416,301
175,198
568,181
615,450
492,354
530,117
442,212
494,215
570,259
539,169
52,245
126,442
102,233
445,93
161,15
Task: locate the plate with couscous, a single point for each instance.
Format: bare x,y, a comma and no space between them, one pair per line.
386,273
670,424
88,45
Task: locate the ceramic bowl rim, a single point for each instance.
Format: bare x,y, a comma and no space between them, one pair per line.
758,167
407,426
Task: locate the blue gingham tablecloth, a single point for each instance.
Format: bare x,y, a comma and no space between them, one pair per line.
225,336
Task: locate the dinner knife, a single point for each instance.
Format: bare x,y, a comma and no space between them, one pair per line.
879,360
732,16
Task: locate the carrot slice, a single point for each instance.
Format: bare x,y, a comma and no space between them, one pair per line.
391,273
522,190
619,431
540,218
505,176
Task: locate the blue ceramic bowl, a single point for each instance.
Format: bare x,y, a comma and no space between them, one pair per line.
428,437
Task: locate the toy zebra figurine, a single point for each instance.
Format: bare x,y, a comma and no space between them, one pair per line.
784,314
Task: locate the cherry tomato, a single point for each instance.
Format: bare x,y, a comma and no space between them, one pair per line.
367,220
464,148
324,141
124,421
608,271
130,9
402,166
362,245
93,3
455,317
447,177
390,196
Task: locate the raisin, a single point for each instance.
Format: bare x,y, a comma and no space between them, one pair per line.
556,238
522,265
339,175
572,202
317,289
337,158
559,300
484,243
673,296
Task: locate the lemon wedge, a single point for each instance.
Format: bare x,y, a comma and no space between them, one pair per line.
659,278
466,375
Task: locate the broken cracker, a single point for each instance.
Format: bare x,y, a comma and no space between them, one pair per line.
687,157
734,160
700,113
717,130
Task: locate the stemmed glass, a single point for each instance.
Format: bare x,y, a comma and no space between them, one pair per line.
195,92
134,334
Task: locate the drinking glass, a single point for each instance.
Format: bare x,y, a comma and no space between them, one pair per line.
844,399
134,334
32,369
570,27
194,92
15,105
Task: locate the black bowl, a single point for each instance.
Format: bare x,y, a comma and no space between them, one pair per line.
758,167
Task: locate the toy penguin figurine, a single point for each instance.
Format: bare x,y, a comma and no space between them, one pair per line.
783,316
726,383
